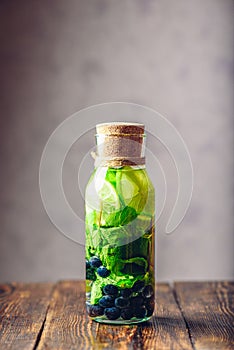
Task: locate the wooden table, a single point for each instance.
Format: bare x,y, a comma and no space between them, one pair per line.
191,315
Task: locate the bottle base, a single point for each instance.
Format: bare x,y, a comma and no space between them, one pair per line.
134,320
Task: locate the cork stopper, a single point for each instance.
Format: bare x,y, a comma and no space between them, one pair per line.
120,128
120,144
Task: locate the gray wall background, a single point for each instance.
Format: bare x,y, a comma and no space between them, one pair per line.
60,56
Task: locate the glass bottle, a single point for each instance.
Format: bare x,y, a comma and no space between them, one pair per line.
119,218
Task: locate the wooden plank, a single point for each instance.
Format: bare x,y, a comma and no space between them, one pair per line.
22,311
208,309
167,329
68,327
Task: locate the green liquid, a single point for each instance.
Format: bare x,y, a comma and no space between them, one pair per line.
120,235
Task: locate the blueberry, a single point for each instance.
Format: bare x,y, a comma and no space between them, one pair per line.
140,312
94,310
126,292
112,313
87,264
127,314
136,301
122,302
95,261
107,301
149,304
110,289
150,312
90,275
148,291
138,285
103,272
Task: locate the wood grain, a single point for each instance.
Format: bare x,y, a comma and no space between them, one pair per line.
167,329
193,315
67,326
208,309
22,311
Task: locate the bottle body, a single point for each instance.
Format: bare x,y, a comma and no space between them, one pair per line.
120,273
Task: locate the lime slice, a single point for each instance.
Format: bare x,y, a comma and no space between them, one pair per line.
108,196
133,188
107,193
128,188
